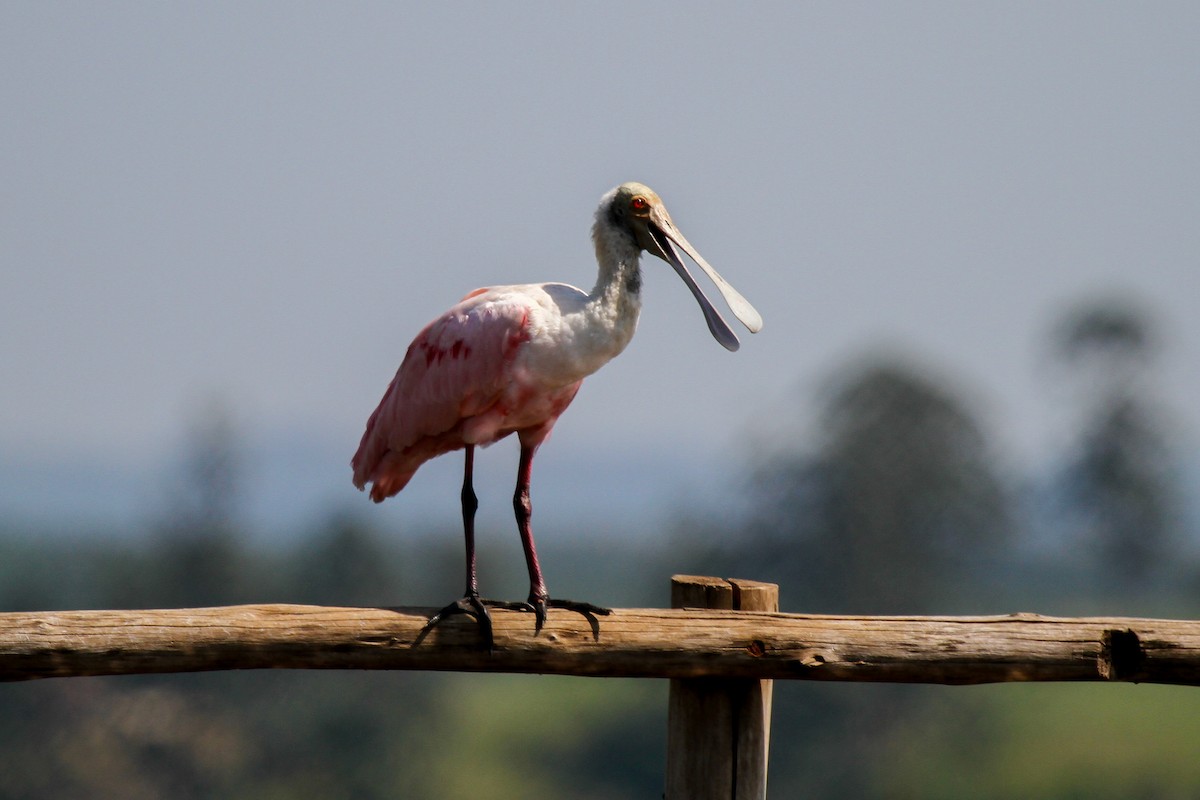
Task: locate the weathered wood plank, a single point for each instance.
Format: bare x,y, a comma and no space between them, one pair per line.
718,729
753,706
676,643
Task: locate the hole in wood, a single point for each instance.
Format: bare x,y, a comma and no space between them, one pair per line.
1121,655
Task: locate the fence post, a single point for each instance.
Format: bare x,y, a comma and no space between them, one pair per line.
719,730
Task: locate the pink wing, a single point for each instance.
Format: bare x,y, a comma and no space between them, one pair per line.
457,368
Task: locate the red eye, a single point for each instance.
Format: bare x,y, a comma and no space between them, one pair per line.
639,204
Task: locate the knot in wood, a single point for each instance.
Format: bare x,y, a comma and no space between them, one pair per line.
813,659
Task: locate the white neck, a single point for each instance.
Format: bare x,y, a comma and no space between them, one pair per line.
619,282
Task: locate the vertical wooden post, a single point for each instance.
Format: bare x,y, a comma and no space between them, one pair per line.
718,730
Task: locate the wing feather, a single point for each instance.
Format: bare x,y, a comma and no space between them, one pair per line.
458,367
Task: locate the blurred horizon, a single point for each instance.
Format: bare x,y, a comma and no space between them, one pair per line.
195,209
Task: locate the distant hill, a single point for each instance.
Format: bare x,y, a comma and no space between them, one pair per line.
291,483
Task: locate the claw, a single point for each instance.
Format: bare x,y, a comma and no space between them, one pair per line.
473,606
476,607
539,605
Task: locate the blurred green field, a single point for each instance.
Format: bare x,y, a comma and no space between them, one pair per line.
1050,741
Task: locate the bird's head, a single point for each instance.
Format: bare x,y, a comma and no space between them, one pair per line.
636,212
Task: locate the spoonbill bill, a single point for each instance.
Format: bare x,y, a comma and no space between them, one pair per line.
509,359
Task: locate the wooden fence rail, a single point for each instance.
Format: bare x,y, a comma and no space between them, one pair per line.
635,642
722,646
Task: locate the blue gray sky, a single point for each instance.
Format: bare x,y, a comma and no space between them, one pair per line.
263,202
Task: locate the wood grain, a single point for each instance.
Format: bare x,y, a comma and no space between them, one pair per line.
719,729
675,643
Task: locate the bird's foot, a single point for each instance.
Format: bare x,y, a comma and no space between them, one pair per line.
539,605
476,607
473,606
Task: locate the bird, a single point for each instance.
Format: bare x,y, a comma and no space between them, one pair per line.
510,359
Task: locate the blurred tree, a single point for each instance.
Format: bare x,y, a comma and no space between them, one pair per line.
346,563
893,509
899,496
1119,486
202,552
212,464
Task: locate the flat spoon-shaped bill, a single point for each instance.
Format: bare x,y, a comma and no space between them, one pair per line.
740,306
716,323
667,236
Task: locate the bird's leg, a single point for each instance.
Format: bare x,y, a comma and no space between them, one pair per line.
470,504
539,597
470,603
523,509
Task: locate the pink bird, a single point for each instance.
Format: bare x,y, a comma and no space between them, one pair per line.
509,359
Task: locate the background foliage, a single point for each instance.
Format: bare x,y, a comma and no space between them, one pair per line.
890,500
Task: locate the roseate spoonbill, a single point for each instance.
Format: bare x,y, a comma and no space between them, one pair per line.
509,359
